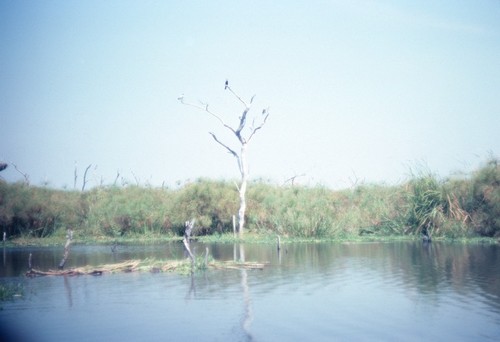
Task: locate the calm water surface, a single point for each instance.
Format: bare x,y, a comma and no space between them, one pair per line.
309,292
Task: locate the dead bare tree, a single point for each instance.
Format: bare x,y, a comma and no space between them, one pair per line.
137,180
75,176
117,176
85,177
243,137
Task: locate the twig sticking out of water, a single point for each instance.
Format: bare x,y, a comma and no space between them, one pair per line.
30,265
187,236
69,238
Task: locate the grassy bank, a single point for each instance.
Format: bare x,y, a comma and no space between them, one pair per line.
465,207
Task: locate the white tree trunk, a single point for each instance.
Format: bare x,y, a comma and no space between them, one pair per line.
243,189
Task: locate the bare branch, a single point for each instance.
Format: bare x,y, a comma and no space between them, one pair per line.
239,98
137,182
292,179
25,175
254,130
204,107
231,151
224,145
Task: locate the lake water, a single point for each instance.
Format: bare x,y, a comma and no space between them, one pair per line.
401,291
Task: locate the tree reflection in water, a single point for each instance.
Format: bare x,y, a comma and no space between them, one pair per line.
247,300
67,287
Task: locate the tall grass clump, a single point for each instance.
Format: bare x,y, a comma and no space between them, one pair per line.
464,207
117,211
424,204
458,222
320,212
373,209
292,210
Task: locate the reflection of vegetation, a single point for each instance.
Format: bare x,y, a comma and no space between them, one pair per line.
453,208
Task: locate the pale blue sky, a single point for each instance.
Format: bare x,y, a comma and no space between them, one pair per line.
356,89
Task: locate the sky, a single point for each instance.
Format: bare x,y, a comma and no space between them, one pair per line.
358,91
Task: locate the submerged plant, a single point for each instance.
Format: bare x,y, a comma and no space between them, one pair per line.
9,290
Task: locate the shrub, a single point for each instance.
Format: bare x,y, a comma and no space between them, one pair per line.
211,203
120,211
483,202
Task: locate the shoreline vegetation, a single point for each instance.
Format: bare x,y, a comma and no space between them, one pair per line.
460,208
249,238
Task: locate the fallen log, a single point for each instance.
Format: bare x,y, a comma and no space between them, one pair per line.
150,265
127,266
